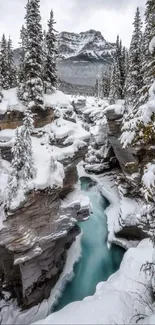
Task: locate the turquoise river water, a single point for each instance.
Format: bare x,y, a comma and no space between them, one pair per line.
97,262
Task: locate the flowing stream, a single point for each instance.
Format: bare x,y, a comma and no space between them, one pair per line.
97,262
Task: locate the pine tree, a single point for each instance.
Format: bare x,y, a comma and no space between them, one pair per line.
16,167
4,63
34,57
50,72
115,83
23,48
148,59
106,83
12,78
28,171
1,83
134,77
119,62
123,69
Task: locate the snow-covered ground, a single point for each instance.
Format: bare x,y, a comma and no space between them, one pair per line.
11,102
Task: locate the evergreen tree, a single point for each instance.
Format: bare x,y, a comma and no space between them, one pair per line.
106,83
1,83
119,62
4,63
16,167
115,84
134,77
148,59
28,170
22,166
23,48
123,69
33,57
12,78
50,72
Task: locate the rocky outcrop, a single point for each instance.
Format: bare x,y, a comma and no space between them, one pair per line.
135,225
13,119
36,236
34,243
100,157
128,161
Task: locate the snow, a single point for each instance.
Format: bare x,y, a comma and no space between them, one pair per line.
148,178
10,101
45,177
58,98
120,300
7,134
152,45
118,108
77,196
62,128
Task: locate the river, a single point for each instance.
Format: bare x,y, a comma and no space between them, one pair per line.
97,262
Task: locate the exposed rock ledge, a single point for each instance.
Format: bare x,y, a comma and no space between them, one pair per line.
34,242
35,238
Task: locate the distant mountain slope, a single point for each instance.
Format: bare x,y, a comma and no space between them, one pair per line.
81,57
89,45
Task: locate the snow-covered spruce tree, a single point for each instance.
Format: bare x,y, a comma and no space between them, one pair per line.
50,72
119,61
139,126
115,83
23,48
106,83
16,167
1,82
21,70
28,170
12,77
148,58
33,62
134,77
4,63
22,166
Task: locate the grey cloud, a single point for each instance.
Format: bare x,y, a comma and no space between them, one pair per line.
90,5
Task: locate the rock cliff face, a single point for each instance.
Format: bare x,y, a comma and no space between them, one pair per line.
13,119
35,239
133,224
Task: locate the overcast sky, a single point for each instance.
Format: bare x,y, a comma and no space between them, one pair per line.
111,17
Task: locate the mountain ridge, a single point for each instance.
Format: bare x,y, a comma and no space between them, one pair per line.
89,45
82,57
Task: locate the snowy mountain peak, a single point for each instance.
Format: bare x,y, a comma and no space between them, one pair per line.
85,45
